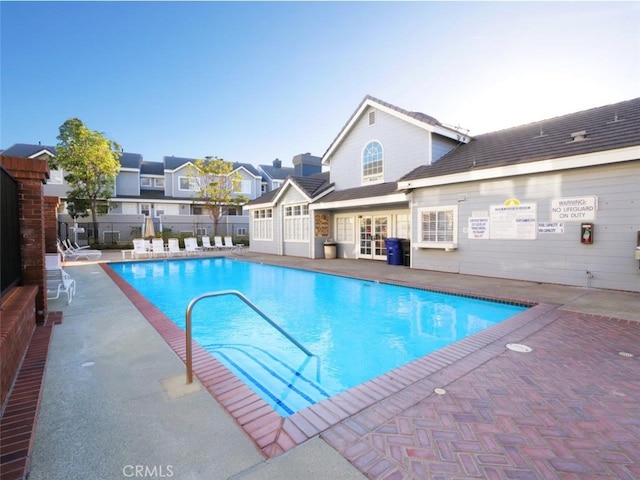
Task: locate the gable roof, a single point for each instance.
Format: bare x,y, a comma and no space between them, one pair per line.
27,150
312,187
175,163
418,119
598,129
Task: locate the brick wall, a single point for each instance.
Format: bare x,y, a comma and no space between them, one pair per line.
31,174
17,327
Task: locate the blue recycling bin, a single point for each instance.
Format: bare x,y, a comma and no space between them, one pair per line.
394,251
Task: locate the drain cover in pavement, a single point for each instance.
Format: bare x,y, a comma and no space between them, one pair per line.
517,347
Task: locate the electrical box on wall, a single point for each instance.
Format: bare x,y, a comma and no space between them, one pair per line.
586,233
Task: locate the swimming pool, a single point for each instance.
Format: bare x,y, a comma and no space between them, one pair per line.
356,329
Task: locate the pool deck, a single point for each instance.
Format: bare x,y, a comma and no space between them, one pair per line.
113,401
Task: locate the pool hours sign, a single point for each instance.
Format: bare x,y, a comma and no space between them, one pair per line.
574,209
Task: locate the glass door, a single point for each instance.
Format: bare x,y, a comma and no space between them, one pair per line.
373,233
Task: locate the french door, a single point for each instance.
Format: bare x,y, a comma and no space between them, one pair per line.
373,233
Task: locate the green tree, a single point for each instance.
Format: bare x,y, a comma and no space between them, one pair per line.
90,163
217,186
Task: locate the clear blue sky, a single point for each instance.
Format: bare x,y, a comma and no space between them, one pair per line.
255,81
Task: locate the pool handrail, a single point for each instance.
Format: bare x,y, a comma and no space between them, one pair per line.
189,359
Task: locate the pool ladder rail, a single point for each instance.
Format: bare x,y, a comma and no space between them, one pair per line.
192,303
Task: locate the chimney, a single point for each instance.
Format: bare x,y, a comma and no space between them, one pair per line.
277,163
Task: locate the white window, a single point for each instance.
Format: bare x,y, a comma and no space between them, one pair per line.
145,208
372,163
159,212
403,226
56,177
344,229
438,227
187,183
159,182
262,225
145,182
241,231
296,223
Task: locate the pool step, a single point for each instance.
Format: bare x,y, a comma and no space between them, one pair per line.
287,388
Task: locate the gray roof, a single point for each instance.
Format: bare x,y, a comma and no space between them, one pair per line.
25,150
608,127
131,160
312,186
171,163
277,173
152,168
368,191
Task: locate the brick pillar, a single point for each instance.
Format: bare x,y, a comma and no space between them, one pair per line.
51,205
31,174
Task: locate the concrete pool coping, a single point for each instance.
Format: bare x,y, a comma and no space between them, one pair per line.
59,429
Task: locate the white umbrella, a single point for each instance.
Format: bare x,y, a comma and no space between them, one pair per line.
149,230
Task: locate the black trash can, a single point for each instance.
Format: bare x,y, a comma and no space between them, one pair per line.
394,251
406,249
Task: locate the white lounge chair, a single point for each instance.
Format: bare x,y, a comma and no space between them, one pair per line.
157,247
206,243
174,247
217,241
58,281
191,246
140,248
71,255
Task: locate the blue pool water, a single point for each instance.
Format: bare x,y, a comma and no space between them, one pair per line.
355,329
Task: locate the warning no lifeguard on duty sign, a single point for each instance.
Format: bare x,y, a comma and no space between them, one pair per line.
577,209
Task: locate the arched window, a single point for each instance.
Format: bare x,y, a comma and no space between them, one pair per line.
372,157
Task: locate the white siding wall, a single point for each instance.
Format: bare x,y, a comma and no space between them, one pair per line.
553,258
405,148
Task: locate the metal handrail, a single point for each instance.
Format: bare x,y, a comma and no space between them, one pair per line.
189,359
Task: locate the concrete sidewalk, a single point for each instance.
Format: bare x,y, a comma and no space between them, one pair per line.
116,405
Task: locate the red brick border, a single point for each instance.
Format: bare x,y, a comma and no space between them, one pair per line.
18,422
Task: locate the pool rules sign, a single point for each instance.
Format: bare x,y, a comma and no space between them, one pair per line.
574,209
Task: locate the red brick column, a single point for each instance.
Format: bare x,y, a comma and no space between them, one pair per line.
51,205
31,174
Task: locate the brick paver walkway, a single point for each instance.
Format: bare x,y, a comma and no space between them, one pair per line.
570,409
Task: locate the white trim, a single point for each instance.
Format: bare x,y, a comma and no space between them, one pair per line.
41,152
447,246
542,166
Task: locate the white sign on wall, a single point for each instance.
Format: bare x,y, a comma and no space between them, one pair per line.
514,222
550,227
574,209
478,228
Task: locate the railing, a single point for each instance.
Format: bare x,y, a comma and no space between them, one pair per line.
189,359
10,238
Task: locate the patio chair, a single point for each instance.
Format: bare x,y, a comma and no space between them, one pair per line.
217,241
191,246
140,248
157,247
73,246
228,243
72,255
174,247
206,243
58,282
